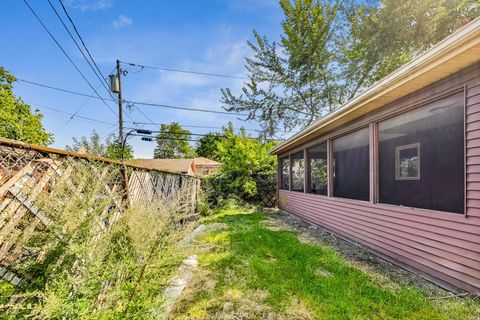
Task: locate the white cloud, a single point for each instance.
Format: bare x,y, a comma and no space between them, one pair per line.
122,21
93,5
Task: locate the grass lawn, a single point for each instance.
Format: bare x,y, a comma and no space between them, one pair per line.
248,270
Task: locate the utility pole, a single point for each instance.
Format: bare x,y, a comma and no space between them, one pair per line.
120,109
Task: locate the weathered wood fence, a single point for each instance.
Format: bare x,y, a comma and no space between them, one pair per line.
29,175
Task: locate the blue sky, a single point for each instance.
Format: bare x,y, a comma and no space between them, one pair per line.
201,35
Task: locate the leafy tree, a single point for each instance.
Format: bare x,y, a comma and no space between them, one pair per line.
384,37
291,82
207,145
332,50
17,121
247,168
94,146
173,142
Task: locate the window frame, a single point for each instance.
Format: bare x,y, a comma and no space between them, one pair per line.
372,121
411,107
331,160
292,157
307,168
280,167
398,177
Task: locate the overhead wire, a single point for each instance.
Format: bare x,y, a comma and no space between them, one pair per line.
164,138
66,54
130,101
188,126
68,113
184,71
96,71
83,44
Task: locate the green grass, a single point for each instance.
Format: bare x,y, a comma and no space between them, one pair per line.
250,271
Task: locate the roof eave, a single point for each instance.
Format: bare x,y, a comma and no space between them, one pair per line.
464,38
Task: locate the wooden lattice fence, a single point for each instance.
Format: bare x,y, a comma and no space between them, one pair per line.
30,175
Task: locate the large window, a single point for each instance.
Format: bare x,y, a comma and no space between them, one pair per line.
298,172
317,178
285,173
421,157
351,166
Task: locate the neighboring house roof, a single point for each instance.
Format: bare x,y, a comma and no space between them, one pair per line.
454,53
201,161
172,165
176,165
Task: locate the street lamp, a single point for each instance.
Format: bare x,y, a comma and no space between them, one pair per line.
138,131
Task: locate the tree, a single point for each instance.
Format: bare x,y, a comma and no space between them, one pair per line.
291,83
207,145
95,147
382,38
17,121
332,50
247,167
173,142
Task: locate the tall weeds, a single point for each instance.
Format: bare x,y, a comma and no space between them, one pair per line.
97,259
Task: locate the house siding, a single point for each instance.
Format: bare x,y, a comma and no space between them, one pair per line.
442,246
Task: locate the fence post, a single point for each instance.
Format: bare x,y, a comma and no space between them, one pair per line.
124,173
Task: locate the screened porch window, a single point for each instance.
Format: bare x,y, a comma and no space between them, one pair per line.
421,157
298,172
285,173
351,178
317,178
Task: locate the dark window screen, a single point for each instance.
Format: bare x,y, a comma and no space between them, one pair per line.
317,169
351,166
284,174
298,172
421,157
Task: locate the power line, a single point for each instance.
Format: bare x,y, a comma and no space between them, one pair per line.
185,71
184,133
130,101
73,115
84,45
57,89
96,71
66,54
164,138
149,104
185,126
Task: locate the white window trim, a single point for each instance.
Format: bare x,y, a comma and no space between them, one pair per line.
397,161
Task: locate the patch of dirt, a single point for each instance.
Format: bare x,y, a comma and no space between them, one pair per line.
382,272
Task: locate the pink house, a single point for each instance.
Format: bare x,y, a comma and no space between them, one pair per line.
397,168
